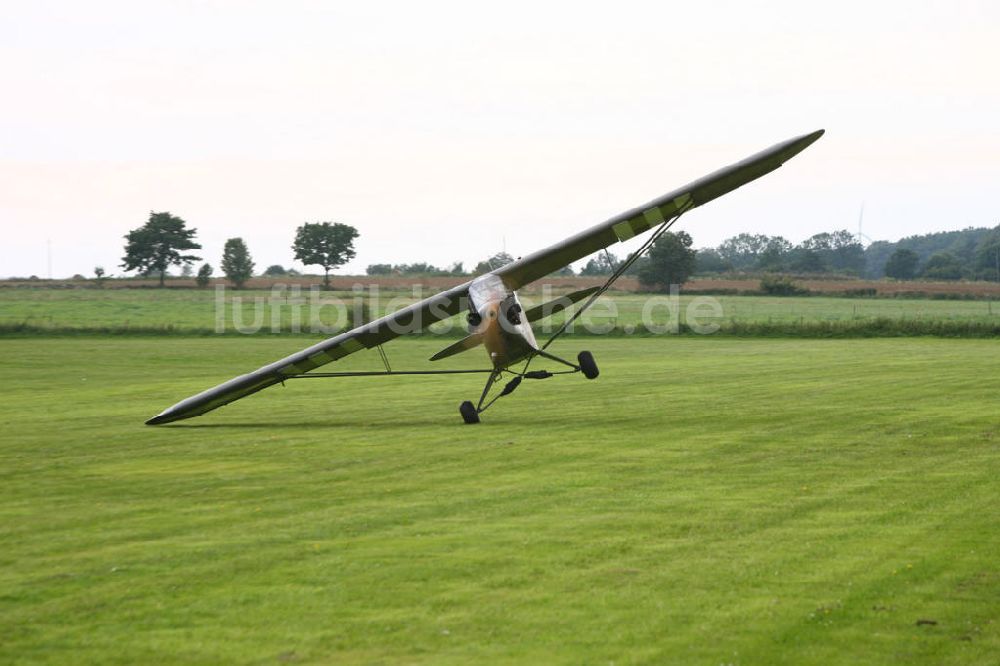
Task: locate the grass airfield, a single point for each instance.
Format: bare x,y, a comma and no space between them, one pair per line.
706,500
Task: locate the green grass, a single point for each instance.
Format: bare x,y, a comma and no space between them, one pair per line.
187,311
706,500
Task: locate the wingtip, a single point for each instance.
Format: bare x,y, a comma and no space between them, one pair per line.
813,136
800,143
163,417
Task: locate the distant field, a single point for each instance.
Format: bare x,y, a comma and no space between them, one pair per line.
190,310
704,501
831,285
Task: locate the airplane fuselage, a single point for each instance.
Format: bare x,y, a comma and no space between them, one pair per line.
497,315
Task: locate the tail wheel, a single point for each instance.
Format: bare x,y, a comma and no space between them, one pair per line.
587,365
469,413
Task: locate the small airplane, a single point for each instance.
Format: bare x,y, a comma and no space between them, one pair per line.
494,313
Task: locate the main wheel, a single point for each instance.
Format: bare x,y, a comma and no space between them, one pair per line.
587,365
469,413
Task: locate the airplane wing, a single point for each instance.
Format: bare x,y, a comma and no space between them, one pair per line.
515,275
410,319
633,222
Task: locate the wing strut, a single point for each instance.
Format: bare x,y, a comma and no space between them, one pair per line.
619,271
385,360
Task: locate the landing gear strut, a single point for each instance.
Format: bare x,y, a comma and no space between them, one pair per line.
470,412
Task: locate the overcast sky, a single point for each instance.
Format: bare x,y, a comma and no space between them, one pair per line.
443,131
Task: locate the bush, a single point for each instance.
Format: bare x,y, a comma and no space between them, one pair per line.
781,285
861,292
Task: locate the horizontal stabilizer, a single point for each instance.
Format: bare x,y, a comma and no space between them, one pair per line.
462,345
558,305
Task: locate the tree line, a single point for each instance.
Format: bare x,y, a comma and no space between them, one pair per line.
972,254
165,241
833,252
456,269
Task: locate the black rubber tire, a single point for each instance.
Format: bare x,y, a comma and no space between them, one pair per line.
468,412
587,365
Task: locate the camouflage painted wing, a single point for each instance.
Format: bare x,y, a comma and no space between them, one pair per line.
408,320
638,220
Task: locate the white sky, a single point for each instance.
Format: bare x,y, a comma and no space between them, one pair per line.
442,129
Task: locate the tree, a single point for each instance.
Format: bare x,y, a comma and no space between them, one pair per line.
988,256
943,266
498,260
804,260
275,270
157,245
99,275
204,275
418,268
325,244
822,242
671,261
636,266
604,263
236,262
774,254
741,251
710,261
846,252
379,269
902,264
